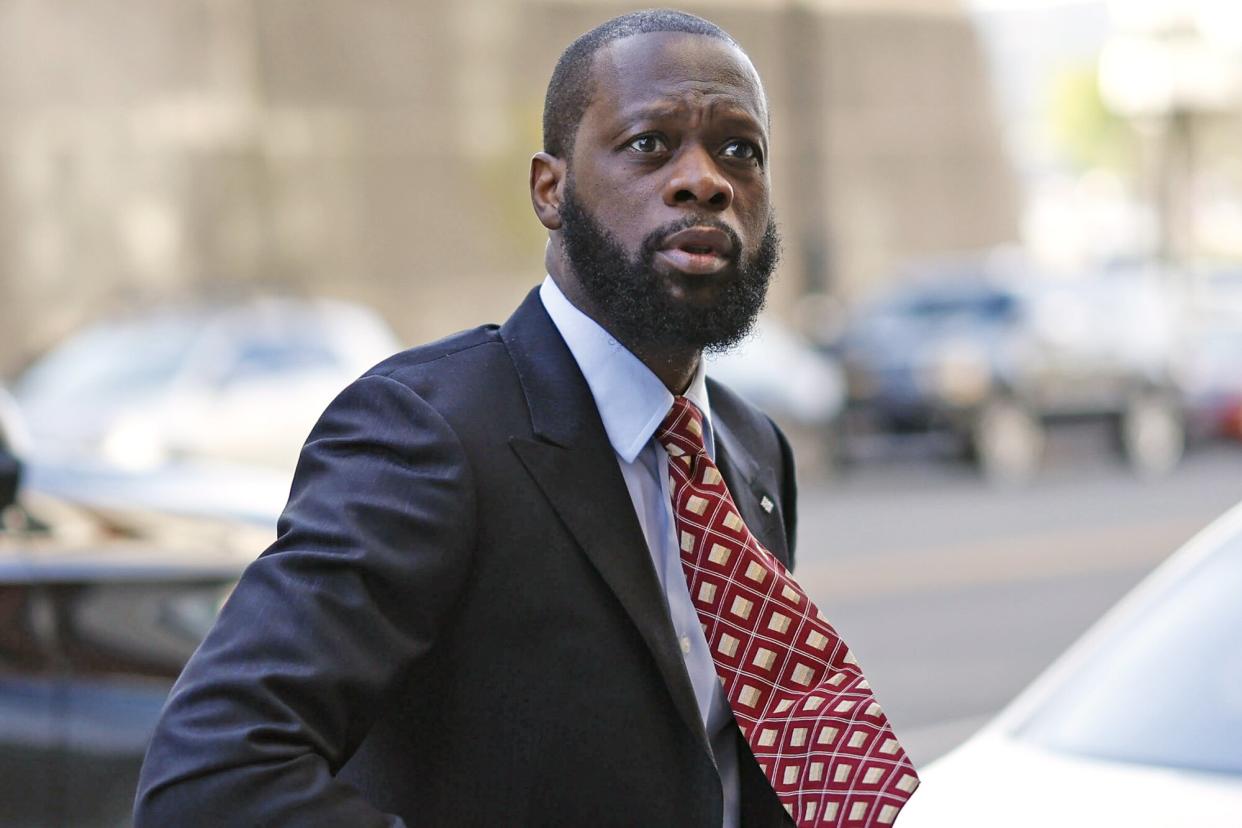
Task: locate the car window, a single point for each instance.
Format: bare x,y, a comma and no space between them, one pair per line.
111,360
1165,690
31,746
25,631
144,629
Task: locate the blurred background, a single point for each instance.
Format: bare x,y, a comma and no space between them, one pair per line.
1004,336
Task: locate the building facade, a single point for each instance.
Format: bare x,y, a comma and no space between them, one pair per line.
379,151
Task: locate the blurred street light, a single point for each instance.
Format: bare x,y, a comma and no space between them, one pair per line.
1172,63
1145,75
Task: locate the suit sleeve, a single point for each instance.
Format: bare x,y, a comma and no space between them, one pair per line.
372,549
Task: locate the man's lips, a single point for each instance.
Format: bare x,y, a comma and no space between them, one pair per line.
697,250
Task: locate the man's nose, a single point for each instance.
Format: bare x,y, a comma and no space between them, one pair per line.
697,179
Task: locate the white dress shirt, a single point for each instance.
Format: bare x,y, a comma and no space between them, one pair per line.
632,402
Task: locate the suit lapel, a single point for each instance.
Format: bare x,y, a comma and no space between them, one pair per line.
587,492
745,481
575,467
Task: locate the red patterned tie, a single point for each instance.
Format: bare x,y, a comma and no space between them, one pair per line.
796,690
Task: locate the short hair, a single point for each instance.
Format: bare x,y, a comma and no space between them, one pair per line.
572,85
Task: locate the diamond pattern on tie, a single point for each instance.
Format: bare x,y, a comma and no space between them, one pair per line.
796,690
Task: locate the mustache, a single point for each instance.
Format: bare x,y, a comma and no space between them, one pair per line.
655,239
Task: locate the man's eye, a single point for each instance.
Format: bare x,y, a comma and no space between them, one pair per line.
647,143
743,150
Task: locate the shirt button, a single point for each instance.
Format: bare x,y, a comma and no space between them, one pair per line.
685,644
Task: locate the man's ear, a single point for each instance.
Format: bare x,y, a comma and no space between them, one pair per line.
547,179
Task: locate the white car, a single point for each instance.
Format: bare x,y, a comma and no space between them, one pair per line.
1138,725
783,375
234,382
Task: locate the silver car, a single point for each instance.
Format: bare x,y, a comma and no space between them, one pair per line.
241,382
1138,725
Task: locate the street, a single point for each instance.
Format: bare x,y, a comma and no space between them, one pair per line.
954,595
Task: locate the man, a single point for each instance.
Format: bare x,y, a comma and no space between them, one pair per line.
499,591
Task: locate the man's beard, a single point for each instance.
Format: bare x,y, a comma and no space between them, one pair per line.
634,300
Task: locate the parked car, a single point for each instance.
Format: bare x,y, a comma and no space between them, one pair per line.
992,357
800,387
1139,724
250,496
99,610
242,382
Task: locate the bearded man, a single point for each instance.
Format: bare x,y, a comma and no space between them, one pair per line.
536,574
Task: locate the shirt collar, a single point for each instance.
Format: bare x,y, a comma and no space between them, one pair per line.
632,401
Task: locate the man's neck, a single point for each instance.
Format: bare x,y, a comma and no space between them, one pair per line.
675,367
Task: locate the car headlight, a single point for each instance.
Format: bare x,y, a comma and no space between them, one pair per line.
130,444
960,375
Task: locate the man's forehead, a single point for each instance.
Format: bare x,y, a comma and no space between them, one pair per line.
640,70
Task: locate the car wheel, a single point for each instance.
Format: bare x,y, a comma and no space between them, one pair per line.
1152,435
1008,442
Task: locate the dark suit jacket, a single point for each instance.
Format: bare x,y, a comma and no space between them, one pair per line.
460,623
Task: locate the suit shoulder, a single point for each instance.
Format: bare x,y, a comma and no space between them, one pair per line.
477,345
468,378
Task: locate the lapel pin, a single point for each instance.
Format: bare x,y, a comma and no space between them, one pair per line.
766,504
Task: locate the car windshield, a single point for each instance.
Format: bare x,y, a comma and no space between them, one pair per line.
1165,689
982,306
111,360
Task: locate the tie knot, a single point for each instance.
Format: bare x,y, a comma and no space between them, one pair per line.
681,433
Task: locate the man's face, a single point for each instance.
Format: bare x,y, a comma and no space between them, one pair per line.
667,223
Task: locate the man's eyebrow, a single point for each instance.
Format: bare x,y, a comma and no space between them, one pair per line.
721,108
650,112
